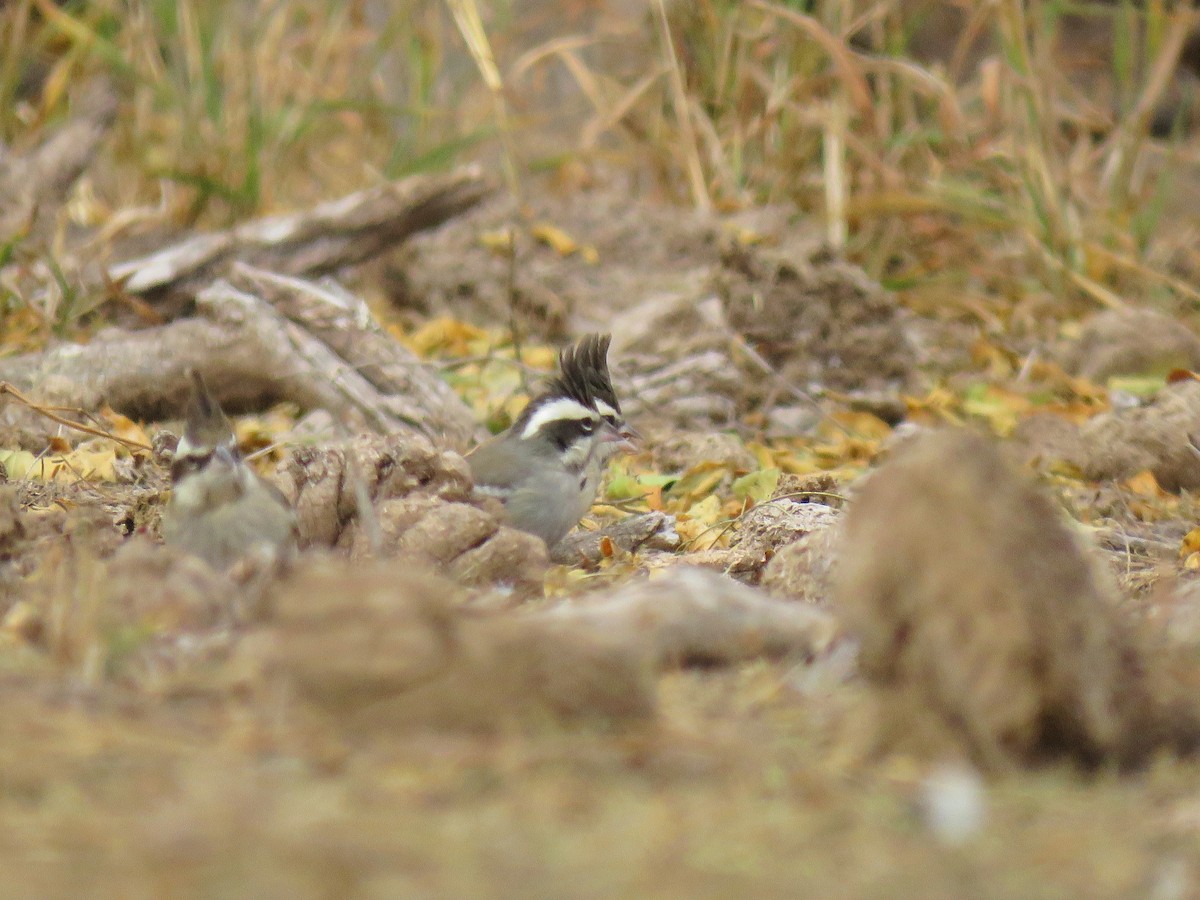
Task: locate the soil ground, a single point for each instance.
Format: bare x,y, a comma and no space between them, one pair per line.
141,756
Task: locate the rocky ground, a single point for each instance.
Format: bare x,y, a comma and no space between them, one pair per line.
898,598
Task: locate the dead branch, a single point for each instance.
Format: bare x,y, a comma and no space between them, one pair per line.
33,187
251,356
692,615
343,322
316,241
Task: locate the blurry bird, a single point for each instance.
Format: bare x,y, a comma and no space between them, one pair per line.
220,510
547,467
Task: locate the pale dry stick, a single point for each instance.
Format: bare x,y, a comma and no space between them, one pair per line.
470,26
607,113
707,130
510,287
691,151
343,322
50,413
330,236
833,158
563,49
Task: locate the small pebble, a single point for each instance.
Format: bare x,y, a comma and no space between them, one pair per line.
953,803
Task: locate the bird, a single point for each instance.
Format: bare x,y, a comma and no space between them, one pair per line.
546,467
220,509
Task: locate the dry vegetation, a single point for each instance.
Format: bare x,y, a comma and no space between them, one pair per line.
813,229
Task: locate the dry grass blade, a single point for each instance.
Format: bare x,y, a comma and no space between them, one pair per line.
1089,286
849,71
691,149
1141,270
836,186
52,413
1124,140
470,26
605,119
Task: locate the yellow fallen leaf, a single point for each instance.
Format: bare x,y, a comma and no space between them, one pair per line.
1144,484
797,464
1144,386
22,620
764,454
539,357
757,486
562,243
554,238
123,426
1190,543
18,463
748,237
706,512
999,407
498,240
447,336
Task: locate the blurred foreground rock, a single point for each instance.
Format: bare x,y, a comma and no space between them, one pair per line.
379,646
985,624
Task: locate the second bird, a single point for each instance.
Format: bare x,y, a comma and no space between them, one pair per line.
221,510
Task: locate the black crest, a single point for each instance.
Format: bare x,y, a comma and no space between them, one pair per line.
583,373
207,425
207,429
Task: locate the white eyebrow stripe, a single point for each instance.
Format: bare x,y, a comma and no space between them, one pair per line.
604,409
556,410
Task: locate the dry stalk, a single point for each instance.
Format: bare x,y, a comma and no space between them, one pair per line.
52,413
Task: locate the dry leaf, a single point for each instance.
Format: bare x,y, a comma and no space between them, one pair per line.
497,240
1190,543
1144,484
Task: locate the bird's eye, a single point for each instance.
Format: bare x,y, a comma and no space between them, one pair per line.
587,426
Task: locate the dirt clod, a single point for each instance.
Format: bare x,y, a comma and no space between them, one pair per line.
814,318
401,496
979,612
384,646
1131,342
803,569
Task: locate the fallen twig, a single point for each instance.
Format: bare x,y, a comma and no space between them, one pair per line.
51,413
328,237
